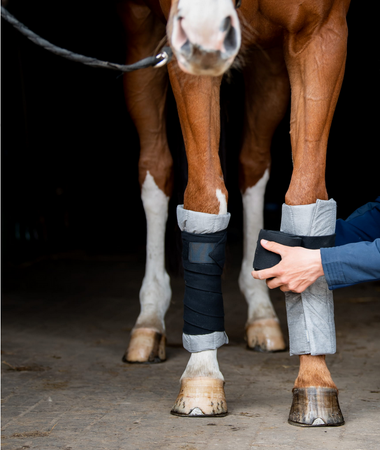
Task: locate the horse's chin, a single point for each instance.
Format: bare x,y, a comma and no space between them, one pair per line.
203,70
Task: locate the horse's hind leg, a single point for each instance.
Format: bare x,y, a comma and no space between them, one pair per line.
266,100
145,94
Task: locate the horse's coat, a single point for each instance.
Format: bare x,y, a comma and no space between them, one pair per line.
155,293
301,45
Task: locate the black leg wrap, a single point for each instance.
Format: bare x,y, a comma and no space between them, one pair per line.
203,260
265,259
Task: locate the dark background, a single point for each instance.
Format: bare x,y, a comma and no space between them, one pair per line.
70,150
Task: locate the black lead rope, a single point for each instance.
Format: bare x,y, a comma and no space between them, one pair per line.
152,61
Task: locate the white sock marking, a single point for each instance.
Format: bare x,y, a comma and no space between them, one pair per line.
155,292
203,364
255,291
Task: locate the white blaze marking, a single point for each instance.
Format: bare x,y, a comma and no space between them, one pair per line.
255,291
222,202
155,292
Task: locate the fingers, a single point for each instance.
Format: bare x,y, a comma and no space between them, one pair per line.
272,278
274,283
265,274
272,271
270,275
273,275
274,247
297,270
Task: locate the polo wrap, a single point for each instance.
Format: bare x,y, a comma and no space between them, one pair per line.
265,259
203,258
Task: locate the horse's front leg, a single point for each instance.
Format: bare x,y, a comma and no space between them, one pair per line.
315,62
145,94
203,220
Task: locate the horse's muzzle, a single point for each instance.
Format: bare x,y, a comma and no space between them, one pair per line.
197,61
208,49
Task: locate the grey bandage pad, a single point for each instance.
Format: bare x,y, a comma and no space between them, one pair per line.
203,256
311,314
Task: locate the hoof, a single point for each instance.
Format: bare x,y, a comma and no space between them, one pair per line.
201,397
315,407
146,346
265,335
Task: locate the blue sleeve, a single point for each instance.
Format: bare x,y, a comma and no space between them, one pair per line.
362,225
351,263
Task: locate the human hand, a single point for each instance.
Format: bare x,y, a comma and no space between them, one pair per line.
298,269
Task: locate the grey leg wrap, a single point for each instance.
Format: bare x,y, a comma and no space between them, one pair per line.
311,314
198,223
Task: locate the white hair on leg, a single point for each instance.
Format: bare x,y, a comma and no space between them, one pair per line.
155,292
262,329
222,202
203,364
254,291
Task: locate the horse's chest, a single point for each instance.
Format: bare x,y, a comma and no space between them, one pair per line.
259,32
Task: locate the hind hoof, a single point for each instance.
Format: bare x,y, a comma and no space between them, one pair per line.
265,335
315,407
145,346
201,397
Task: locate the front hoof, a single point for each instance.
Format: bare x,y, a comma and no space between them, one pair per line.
201,397
265,335
145,346
315,407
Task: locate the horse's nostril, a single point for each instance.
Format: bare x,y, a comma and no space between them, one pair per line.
186,48
179,37
230,35
230,41
226,24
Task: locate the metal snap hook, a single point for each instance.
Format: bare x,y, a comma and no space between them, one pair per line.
164,61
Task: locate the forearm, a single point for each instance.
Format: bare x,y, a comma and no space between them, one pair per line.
351,263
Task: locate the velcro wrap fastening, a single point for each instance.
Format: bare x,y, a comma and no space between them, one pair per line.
264,259
203,258
199,252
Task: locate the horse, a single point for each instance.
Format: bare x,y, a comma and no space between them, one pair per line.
288,51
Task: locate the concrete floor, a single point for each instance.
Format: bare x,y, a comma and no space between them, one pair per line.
65,327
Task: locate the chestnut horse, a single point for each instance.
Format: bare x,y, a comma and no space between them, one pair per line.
286,51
